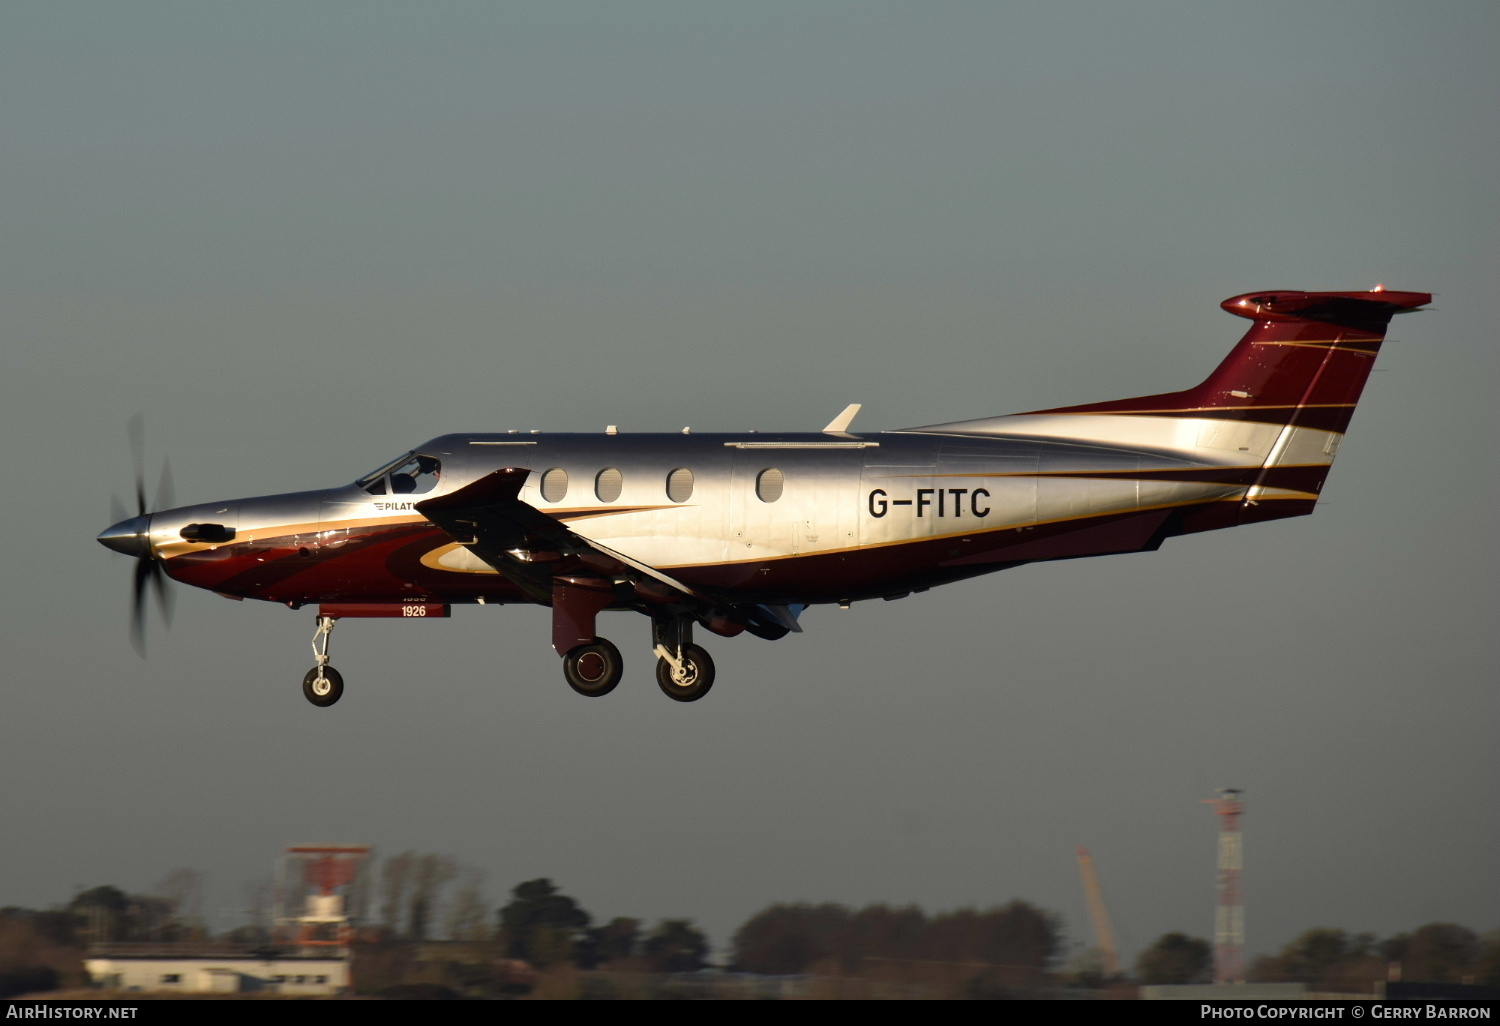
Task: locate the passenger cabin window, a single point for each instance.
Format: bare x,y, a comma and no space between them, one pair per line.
769,484
412,474
555,485
680,485
607,485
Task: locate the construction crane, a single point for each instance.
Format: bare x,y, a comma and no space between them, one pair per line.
1102,933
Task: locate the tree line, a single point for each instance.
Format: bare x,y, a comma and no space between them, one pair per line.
1337,961
413,897
790,939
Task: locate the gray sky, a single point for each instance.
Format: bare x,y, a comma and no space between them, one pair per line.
304,238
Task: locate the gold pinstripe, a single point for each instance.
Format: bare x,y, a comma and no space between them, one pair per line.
1194,409
168,550
1144,472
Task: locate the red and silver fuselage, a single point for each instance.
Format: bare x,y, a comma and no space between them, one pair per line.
832,516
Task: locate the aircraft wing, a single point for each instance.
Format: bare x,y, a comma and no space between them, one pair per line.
530,547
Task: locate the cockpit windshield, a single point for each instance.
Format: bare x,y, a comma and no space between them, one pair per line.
409,474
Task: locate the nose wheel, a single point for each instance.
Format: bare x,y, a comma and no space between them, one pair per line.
594,669
684,675
323,685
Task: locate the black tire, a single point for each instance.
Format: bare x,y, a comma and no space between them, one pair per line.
593,670
329,691
699,667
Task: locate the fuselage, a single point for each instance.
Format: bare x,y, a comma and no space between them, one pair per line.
777,518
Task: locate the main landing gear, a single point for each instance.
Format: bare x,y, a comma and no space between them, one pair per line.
593,669
684,671
686,674
323,685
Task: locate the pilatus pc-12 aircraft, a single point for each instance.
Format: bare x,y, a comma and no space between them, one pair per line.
741,533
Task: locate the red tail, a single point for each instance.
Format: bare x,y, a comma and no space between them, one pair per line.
1303,362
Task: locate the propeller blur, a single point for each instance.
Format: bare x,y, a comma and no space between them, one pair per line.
131,537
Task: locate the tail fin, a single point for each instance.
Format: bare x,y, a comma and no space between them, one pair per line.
1264,426
1282,398
1303,362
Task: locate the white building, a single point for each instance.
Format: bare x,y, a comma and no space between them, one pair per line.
220,974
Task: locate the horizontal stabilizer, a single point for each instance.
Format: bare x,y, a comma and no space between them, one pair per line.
1366,311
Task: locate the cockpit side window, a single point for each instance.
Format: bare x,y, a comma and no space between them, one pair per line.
412,474
378,476
417,476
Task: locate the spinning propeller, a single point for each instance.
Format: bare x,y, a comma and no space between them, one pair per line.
132,536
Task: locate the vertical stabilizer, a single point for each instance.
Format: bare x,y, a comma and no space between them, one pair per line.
1303,361
1283,396
1268,420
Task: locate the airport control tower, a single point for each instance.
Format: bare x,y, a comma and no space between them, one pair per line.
320,874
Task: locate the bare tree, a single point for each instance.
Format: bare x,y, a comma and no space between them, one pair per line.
430,874
468,915
182,890
258,896
361,892
395,876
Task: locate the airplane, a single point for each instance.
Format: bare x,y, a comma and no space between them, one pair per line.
740,533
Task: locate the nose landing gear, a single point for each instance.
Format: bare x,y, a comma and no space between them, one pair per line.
323,685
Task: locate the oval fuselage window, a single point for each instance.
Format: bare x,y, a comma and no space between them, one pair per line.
769,484
555,485
680,485
607,484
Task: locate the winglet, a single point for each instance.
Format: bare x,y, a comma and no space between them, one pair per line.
840,424
501,486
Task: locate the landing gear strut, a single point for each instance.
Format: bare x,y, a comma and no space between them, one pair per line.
684,671
323,685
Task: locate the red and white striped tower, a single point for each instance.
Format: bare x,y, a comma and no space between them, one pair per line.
1229,918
